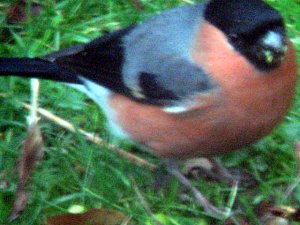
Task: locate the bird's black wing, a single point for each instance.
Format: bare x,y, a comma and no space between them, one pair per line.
99,61
173,81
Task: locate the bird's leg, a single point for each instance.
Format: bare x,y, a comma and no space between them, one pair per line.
172,168
222,171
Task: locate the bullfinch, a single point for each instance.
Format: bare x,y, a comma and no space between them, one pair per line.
197,80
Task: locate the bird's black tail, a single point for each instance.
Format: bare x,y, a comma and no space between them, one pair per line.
36,68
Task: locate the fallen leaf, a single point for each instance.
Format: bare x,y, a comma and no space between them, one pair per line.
17,12
137,4
263,208
93,216
276,215
239,220
213,170
32,152
275,220
193,168
296,215
282,211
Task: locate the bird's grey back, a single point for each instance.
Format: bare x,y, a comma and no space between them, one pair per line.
150,46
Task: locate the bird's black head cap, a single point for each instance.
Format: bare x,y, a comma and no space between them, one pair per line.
246,23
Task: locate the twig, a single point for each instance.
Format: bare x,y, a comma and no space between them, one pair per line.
91,137
33,117
144,202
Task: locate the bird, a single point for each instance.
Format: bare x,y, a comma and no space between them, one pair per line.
196,80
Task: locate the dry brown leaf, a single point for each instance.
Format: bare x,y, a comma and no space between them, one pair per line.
195,168
287,212
273,215
275,220
239,221
32,152
213,170
93,216
296,215
19,204
137,4
17,12
268,214
197,162
263,208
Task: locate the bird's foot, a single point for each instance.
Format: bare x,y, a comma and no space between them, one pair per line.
198,196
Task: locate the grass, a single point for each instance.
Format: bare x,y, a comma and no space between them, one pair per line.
75,171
